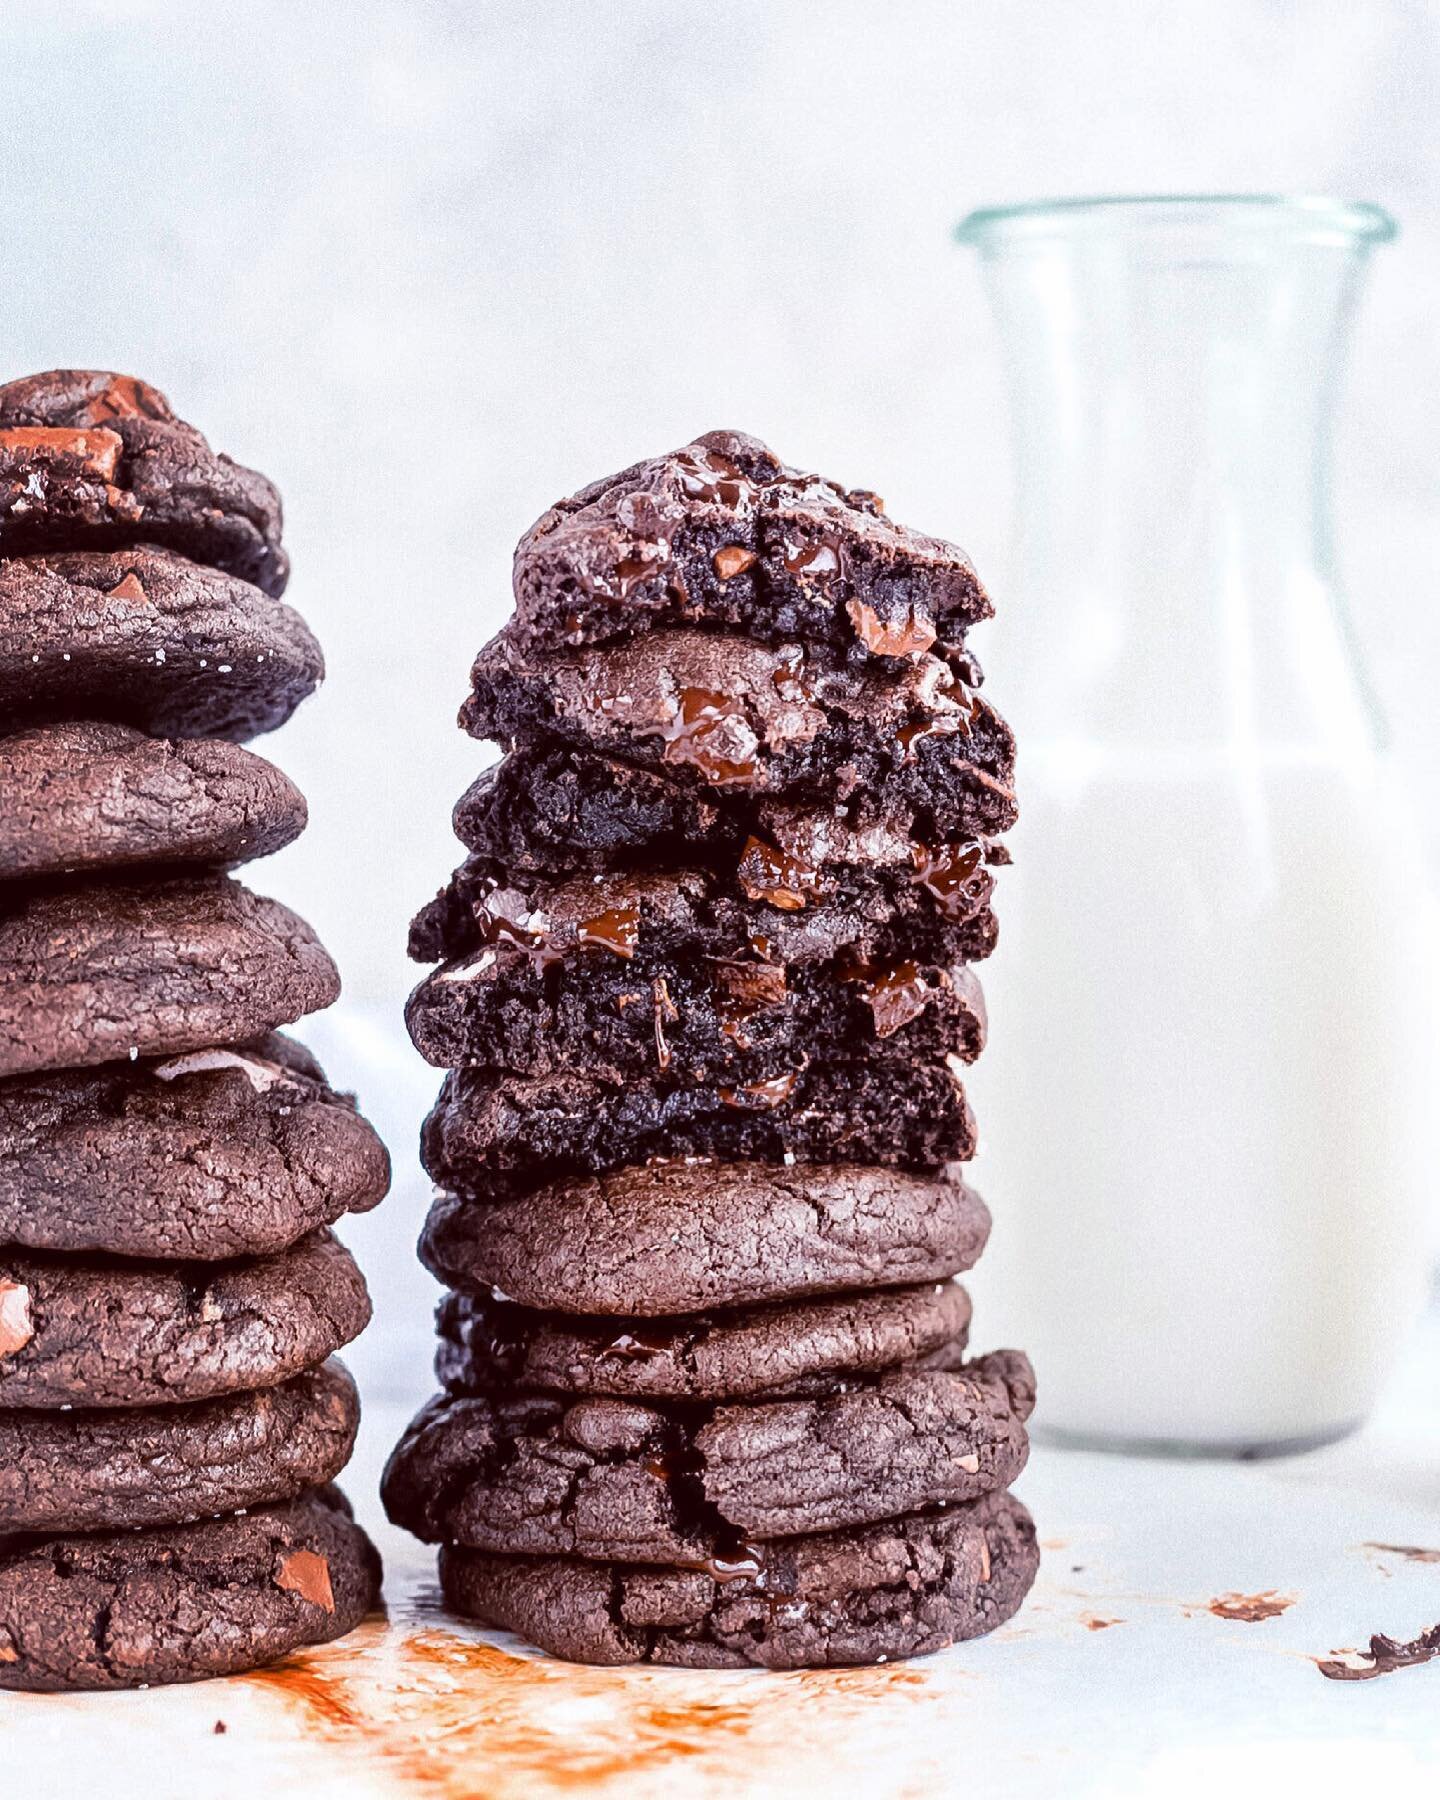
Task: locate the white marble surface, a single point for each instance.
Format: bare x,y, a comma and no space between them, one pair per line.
1117,1679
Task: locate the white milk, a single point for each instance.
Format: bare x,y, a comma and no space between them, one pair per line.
1211,1053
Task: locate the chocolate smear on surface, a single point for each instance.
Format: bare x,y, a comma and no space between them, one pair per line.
1384,1656
1251,1609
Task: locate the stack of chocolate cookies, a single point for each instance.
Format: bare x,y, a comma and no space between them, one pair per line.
170,1294
707,1001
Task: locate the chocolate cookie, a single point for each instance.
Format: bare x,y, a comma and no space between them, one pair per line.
168,1465
198,1157
625,1481
182,1602
496,1138
679,1238
792,1349
150,1334
91,974
928,905
901,1588
722,532
89,460
553,810
83,797
628,1014
736,719
147,638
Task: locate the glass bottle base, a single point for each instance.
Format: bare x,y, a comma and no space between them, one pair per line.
1240,1449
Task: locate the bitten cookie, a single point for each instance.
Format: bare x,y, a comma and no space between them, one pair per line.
147,638
932,906
736,719
168,1465
577,1005
902,1588
90,459
92,974
682,1238
81,798
721,531
198,1157
494,1138
182,1602
555,811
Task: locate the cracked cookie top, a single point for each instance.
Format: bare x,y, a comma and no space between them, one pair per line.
722,534
94,460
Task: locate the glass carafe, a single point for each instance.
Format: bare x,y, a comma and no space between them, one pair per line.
1203,1103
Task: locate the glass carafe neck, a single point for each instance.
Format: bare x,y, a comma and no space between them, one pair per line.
1174,366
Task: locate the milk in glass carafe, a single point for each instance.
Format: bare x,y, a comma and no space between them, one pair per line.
1203,1103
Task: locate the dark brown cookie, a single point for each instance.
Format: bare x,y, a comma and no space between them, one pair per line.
733,719
153,1334
554,811
92,974
90,459
494,1138
168,1465
902,1588
806,896
684,1238
83,797
182,1602
526,1474
636,1015
795,1348
147,638
721,531
198,1157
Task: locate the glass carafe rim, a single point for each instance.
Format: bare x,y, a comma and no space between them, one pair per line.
1311,216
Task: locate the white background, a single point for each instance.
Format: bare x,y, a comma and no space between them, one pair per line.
432,265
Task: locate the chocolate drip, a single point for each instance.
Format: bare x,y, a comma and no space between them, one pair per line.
640,1344
813,560
498,931
666,1011
954,875
732,1556
617,929
706,733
